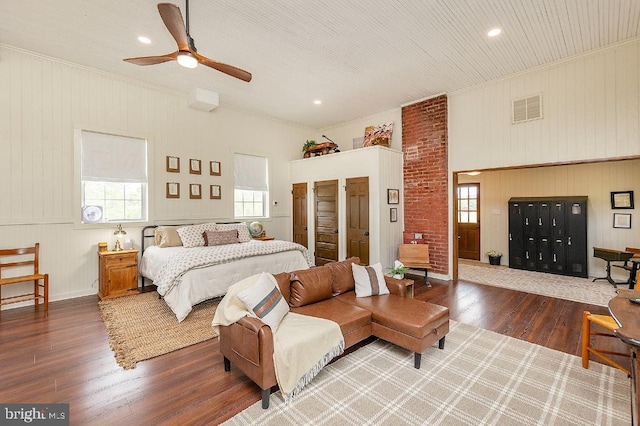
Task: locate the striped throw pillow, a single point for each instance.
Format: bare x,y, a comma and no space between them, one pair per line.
264,299
369,280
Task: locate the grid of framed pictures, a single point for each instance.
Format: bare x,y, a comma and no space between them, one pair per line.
195,168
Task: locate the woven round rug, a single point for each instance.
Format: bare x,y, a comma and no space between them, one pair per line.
142,326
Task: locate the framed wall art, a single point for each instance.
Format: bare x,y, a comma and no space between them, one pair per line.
173,190
393,214
194,167
622,220
215,192
214,168
194,191
173,164
622,200
393,196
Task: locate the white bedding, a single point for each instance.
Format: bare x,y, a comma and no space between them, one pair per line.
200,284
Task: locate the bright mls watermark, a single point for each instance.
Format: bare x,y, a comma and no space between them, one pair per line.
37,414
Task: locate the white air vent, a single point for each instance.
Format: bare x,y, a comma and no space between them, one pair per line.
527,109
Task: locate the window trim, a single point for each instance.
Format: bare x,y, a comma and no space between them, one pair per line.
77,176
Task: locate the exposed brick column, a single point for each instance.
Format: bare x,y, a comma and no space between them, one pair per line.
424,144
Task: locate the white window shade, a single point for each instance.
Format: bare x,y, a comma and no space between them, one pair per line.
108,157
250,172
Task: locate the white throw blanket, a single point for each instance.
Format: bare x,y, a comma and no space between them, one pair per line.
303,345
175,267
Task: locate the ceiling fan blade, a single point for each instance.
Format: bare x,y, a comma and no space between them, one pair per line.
227,69
172,18
152,60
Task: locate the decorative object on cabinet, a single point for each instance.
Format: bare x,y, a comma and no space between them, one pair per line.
214,168
27,262
118,273
622,200
321,149
549,234
378,135
393,196
194,191
119,233
173,190
308,144
256,229
194,166
102,246
622,220
215,192
393,214
173,164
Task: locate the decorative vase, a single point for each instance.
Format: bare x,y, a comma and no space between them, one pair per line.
494,260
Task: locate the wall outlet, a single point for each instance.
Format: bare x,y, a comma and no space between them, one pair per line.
417,236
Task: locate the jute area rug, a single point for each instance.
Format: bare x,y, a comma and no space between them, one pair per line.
558,286
480,378
142,326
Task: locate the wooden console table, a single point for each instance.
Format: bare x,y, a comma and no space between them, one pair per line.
627,315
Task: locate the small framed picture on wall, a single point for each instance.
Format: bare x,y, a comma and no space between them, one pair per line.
194,191
622,200
215,192
173,190
622,220
173,164
393,196
393,214
214,168
194,167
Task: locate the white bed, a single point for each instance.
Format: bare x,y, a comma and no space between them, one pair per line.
207,282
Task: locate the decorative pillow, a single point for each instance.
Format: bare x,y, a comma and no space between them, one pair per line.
265,300
310,286
369,280
243,230
218,238
191,235
167,236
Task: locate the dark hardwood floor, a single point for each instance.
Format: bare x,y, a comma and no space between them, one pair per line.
63,356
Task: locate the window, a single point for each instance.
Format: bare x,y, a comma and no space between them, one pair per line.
113,178
251,192
468,203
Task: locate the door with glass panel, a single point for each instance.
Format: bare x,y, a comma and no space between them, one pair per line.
469,221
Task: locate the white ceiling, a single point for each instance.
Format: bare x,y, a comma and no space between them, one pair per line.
359,56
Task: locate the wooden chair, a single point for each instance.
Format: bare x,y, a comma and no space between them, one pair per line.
24,258
607,323
415,256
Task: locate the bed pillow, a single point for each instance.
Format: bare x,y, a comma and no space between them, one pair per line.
265,300
167,236
191,235
369,280
242,228
218,238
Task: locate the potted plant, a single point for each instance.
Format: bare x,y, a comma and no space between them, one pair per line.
398,271
494,257
308,144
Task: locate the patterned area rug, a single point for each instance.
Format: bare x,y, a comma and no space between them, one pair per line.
558,286
480,377
142,327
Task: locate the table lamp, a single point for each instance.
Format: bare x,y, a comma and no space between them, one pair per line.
119,232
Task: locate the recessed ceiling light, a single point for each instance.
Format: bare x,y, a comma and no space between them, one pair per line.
145,40
317,102
494,32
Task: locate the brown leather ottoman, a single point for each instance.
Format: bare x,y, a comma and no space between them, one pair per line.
409,323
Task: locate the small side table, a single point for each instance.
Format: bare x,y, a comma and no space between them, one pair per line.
265,238
408,283
118,273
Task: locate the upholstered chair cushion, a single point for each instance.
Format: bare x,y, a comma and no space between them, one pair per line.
310,286
342,275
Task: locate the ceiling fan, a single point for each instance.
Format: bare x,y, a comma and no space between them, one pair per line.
186,55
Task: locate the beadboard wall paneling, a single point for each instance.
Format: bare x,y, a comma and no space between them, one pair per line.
596,180
591,110
45,100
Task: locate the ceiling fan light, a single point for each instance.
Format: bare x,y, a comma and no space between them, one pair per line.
187,60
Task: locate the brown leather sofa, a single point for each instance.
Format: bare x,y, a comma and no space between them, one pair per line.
328,292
